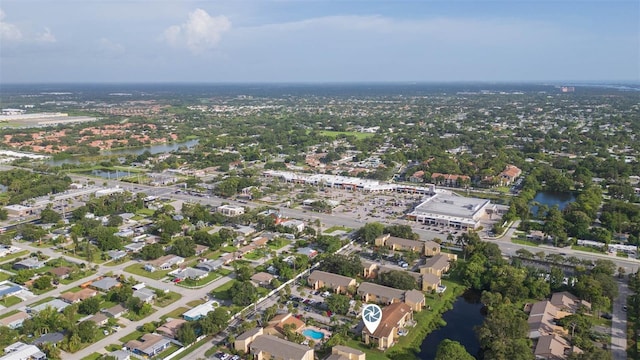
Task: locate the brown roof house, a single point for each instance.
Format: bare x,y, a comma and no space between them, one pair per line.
148,345
553,347
243,340
542,316
370,292
76,297
262,279
170,328
341,352
509,174
266,347
61,272
431,248
14,321
396,243
99,319
276,326
436,265
338,283
415,299
430,282
394,318
566,301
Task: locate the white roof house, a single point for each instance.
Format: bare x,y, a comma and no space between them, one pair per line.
200,311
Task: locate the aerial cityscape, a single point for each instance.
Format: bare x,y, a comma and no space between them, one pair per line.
319,180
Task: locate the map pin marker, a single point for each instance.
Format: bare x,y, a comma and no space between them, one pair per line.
371,315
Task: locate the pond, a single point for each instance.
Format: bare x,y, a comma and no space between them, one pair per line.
461,321
551,199
154,149
107,174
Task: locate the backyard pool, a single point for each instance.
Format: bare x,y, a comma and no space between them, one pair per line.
315,335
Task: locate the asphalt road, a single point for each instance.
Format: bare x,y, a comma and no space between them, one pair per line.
619,323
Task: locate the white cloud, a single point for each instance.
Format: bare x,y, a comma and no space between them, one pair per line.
8,32
46,36
200,33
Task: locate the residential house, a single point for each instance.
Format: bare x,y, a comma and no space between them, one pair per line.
120,355
115,311
191,273
430,282
266,347
542,316
8,288
14,321
200,311
276,326
417,177
297,225
30,263
51,338
81,295
370,292
436,265
170,328
394,318
553,347
210,265
415,299
568,302
509,174
262,279
105,284
338,283
56,304
61,272
396,243
99,319
22,351
166,262
243,340
148,345
116,255
135,247
450,180
146,295
431,248
201,249
341,352
309,252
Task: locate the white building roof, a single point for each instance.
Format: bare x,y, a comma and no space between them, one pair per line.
200,310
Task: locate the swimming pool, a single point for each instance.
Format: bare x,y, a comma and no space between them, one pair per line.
315,335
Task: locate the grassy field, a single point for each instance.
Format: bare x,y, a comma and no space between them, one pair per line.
524,242
587,249
92,356
278,243
192,348
13,256
212,276
170,299
176,313
138,269
42,301
254,255
222,292
135,317
336,228
131,336
4,276
335,134
168,351
194,303
9,314
10,301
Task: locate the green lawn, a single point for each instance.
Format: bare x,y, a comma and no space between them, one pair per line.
334,134
15,255
145,212
228,249
77,275
10,301
131,336
42,301
176,313
254,255
9,314
4,276
212,276
192,348
138,269
336,228
224,272
135,317
170,350
170,299
278,243
221,292
194,303
117,262
587,249
524,242
92,356
113,347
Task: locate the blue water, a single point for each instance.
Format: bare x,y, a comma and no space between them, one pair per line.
461,321
315,335
551,199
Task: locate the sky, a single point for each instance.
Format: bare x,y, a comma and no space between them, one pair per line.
245,41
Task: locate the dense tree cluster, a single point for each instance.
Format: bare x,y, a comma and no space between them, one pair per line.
23,185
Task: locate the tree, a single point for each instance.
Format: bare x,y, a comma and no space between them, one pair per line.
503,335
350,266
369,232
89,306
186,333
7,336
243,293
87,331
52,352
397,279
42,283
338,303
152,252
49,216
244,273
184,247
114,220
452,350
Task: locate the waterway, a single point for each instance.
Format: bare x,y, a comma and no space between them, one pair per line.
461,321
153,149
551,199
108,174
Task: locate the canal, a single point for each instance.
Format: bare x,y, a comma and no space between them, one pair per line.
461,322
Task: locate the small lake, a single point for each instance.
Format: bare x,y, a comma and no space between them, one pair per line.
154,149
461,321
108,174
551,199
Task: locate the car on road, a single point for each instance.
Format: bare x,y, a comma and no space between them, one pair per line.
624,308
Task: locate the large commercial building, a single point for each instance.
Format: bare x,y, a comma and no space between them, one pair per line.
452,211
